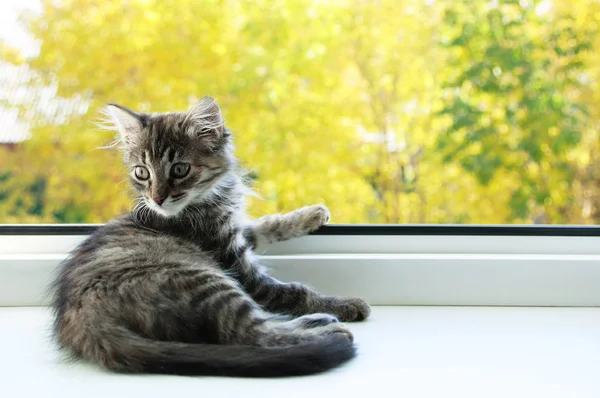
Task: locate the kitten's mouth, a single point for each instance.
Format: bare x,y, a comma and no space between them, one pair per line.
170,207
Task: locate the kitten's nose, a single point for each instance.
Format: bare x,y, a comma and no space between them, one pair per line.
159,201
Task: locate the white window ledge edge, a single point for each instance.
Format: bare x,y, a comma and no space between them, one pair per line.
437,279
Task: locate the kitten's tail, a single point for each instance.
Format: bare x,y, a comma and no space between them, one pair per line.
140,355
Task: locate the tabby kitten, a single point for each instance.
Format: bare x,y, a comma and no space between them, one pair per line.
175,287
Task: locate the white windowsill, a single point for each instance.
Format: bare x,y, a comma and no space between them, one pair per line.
384,270
409,351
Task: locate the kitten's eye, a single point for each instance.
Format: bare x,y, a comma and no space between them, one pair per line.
141,173
180,170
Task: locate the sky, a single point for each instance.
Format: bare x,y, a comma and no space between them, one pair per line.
10,30
13,35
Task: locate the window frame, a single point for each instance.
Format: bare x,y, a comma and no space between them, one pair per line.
358,229
464,265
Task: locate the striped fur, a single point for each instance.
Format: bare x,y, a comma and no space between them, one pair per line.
175,286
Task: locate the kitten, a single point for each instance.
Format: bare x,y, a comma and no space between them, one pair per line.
175,287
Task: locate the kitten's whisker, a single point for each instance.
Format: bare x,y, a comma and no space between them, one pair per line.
122,181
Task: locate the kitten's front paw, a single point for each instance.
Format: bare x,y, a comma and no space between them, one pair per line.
349,309
315,217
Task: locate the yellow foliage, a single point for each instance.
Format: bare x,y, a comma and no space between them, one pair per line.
329,102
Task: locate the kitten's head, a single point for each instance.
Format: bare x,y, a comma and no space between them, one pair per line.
174,159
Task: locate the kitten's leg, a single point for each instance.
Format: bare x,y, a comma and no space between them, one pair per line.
297,299
244,322
228,315
289,298
280,227
274,332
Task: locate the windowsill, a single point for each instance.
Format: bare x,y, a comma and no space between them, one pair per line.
408,351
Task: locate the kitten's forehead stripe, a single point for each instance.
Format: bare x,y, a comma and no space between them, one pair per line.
163,135
166,155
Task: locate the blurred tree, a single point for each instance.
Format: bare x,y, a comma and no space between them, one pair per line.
583,16
398,68
160,56
509,95
336,102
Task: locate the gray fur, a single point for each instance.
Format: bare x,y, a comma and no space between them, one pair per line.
175,287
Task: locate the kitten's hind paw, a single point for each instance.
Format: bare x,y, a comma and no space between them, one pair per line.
315,320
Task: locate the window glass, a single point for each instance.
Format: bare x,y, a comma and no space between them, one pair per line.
388,111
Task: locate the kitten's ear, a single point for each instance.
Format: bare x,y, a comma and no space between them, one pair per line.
127,122
206,121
